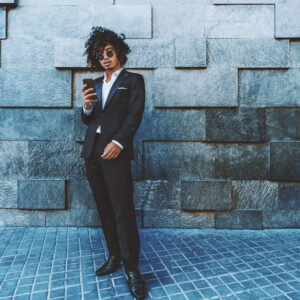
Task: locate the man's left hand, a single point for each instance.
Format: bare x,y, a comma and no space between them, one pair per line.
111,151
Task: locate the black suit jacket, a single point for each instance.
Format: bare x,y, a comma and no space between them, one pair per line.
121,116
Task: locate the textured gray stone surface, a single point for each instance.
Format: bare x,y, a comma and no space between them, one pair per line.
255,194
176,20
281,218
197,220
8,194
80,195
233,125
295,53
283,124
64,2
269,88
79,127
206,195
35,87
2,22
33,124
13,217
160,194
172,124
167,218
133,20
247,1
41,194
9,2
27,53
14,160
285,161
239,21
190,52
204,161
239,219
289,196
44,22
287,22
55,160
195,88
248,52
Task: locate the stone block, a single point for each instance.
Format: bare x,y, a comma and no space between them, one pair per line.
295,53
8,194
235,125
183,19
55,160
41,194
287,22
194,161
281,219
160,194
9,2
197,220
79,127
247,1
269,88
248,52
172,125
2,23
206,195
80,195
14,160
44,22
241,21
35,88
289,196
283,124
33,124
135,21
190,52
14,217
161,218
285,161
15,53
65,2
255,194
239,219
195,88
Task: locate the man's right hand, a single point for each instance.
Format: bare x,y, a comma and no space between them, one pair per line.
86,95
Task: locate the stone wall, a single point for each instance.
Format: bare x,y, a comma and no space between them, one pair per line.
219,144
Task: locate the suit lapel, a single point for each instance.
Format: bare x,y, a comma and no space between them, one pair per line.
98,87
114,87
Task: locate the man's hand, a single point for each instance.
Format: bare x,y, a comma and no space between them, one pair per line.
86,94
111,151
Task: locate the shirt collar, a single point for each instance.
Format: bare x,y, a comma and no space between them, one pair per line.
114,74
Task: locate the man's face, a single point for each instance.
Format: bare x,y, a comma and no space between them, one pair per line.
109,63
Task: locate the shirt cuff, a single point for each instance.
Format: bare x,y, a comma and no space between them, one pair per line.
118,144
87,112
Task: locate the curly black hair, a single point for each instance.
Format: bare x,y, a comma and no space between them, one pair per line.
98,39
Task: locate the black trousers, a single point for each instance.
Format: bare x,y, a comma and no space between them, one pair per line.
112,186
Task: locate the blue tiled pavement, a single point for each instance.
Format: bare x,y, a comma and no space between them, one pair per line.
60,263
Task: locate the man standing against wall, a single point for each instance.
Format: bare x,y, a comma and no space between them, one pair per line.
112,121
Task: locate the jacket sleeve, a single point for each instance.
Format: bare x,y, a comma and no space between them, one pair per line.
135,112
86,117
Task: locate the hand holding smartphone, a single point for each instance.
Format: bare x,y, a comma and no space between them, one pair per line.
87,92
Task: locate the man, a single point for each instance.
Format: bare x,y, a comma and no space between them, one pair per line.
112,121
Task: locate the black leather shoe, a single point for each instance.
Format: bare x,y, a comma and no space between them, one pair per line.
136,284
111,265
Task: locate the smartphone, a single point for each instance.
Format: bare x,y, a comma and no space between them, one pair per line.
90,84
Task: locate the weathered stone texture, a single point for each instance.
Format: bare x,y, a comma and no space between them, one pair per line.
233,125
33,124
289,196
41,194
55,160
239,219
248,53
2,22
295,53
12,217
204,161
206,195
269,88
35,87
285,161
281,218
255,195
239,21
8,194
283,124
190,88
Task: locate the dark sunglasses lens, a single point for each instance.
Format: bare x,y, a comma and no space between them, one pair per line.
100,56
110,53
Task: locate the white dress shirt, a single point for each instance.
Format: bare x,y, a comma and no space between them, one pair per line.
106,86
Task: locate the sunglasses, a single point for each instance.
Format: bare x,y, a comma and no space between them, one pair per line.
109,53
